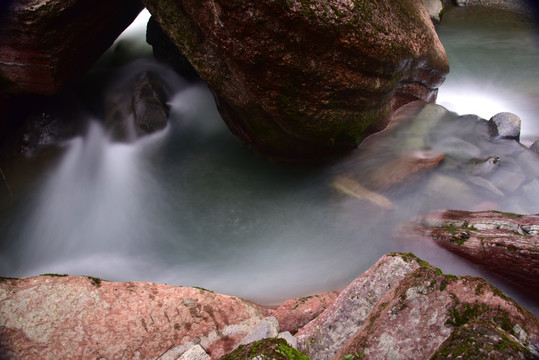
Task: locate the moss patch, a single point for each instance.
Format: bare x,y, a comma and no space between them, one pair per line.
276,349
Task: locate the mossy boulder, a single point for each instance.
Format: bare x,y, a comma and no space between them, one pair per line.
275,349
300,80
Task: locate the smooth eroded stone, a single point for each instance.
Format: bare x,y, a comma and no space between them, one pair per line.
302,80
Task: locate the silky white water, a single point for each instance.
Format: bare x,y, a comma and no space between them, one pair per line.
191,205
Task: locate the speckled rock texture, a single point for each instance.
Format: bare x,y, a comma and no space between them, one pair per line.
432,315
403,308
301,80
82,318
45,44
295,313
504,243
324,336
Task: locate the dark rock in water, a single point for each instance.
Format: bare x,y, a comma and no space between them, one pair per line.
506,125
45,44
504,243
165,51
137,109
535,146
305,80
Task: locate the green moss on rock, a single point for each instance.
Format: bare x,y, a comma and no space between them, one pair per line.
275,349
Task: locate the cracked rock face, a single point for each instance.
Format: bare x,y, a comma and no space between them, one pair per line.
301,80
76,318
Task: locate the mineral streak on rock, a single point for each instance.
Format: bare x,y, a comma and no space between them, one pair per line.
70,317
300,80
504,243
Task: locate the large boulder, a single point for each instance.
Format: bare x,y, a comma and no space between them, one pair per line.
66,317
45,44
299,80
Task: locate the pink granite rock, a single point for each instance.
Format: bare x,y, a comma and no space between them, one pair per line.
403,308
71,317
432,315
324,336
506,244
295,313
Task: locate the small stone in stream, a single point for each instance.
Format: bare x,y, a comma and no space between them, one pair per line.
505,125
535,146
457,148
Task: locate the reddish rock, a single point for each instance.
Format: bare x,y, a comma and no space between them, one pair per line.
432,315
324,336
300,80
406,167
504,243
44,44
403,308
82,318
295,313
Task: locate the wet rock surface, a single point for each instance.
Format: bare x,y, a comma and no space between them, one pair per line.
45,44
138,108
504,243
318,89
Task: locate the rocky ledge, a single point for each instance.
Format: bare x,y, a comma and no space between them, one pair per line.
504,243
402,307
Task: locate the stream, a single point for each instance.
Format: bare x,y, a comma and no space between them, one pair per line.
191,205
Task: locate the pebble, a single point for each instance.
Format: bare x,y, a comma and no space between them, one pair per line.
506,125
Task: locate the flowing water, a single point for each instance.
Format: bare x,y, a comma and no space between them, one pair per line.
191,205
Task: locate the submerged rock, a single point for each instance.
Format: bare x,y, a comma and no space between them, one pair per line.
400,308
66,317
45,44
304,80
504,243
138,108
